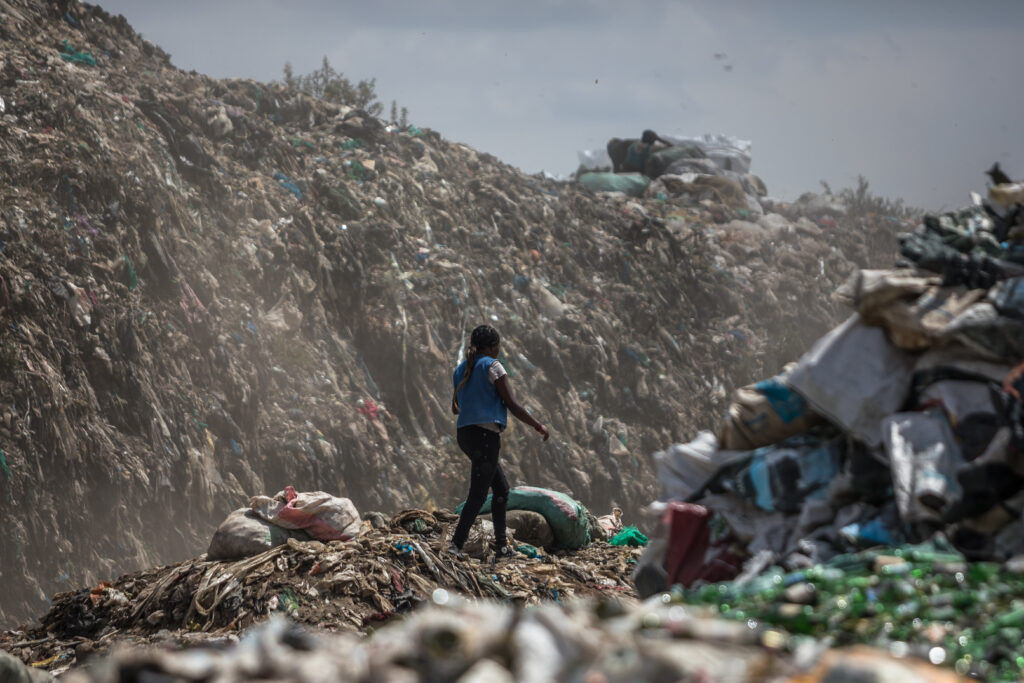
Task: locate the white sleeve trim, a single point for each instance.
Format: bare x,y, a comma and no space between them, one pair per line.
496,372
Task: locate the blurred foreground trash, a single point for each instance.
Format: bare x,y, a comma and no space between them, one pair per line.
453,640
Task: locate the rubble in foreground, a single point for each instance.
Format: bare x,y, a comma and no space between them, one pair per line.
463,642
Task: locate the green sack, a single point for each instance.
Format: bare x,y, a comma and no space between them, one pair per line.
632,184
567,517
659,162
630,536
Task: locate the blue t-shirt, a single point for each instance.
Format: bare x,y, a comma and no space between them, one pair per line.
479,402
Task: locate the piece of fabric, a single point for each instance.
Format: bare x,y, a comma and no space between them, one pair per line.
482,447
691,555
479,402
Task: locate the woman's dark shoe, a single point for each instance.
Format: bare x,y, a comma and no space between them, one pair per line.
504,553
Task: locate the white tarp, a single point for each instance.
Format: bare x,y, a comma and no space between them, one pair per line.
855,377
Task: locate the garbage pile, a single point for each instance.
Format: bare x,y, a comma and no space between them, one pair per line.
903,425
212,288
454,640
715,167
390,568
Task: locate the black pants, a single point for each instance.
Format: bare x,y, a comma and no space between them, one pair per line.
481,446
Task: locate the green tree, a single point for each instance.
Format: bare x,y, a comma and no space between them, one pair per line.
331,85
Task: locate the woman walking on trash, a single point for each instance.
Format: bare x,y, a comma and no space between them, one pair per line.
481,400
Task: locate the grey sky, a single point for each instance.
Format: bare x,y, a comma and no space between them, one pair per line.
919,96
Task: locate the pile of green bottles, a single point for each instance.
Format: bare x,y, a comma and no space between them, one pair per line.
924,601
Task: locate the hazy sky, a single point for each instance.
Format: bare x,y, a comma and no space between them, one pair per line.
919,96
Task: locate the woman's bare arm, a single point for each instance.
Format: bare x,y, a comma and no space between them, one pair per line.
505,392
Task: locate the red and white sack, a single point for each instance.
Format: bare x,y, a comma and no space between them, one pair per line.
319,514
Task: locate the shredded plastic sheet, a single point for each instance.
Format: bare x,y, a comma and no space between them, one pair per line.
630,536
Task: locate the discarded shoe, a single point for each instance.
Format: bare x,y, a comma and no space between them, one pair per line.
456,551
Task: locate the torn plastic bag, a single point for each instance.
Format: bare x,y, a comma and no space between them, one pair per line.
854,377
321,515
594,159
630,536
924,457
764,413
244,534
567,517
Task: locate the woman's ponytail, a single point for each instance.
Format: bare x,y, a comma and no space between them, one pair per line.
471,352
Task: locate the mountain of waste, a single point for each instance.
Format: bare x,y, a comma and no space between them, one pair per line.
212,289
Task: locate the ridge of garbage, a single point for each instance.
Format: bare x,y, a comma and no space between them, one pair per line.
214,287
